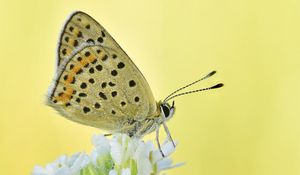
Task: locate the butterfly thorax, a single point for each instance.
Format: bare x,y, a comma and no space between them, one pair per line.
139,128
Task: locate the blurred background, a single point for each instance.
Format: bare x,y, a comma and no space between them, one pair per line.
248,127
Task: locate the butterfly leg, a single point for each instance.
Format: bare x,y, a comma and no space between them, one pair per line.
168,133
158,143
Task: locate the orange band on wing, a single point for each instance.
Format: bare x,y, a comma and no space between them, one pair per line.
70,79
91,58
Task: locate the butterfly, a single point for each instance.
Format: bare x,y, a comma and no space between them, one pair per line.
97,84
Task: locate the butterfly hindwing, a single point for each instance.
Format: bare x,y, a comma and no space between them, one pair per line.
99,87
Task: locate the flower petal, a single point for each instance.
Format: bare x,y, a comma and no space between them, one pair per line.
167,148
116,150
141,156
38,170
113,172
126,171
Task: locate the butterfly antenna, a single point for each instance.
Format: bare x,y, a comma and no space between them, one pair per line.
207,76
194,91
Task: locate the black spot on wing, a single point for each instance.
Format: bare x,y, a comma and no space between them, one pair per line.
99,67
86,109
111,84
97,105
102,95
121,65
100,39
83,85
114,93
114,73
132,83
103,85
82,94
137,99
91,80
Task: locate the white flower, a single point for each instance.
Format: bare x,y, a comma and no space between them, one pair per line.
120,155
125,171
64,165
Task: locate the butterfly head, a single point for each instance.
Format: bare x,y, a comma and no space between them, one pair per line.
167,110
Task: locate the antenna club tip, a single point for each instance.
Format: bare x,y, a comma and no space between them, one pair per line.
212,73
217,86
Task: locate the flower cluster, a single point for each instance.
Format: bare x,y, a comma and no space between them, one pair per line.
120,155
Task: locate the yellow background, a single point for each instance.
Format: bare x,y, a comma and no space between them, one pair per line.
249,127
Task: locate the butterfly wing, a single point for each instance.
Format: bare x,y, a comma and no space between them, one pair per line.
79,29
100,87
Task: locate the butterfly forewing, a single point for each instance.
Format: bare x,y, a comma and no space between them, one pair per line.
98,86
80,28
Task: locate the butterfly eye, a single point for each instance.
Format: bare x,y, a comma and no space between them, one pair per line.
166,110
